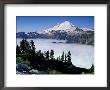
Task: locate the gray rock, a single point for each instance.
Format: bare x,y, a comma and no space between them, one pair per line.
33,71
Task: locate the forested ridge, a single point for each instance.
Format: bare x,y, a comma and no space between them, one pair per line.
45,62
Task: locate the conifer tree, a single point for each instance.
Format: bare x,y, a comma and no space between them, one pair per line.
24,46
65,58
32,46
47,55
51,54
69,57
18,51
62,57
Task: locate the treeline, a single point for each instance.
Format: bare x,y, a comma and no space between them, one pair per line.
26,54
27,48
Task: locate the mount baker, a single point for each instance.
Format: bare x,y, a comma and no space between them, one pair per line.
67,27
63,31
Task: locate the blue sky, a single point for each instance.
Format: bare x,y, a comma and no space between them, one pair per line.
40,23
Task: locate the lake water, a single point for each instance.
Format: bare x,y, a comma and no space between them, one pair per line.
82,55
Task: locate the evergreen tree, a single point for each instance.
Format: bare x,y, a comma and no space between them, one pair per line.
32,46
24,46
69,57
39,52
62,57
47,55
18,51
65,58
41,56
51,54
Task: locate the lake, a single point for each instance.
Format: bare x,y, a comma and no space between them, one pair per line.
82,55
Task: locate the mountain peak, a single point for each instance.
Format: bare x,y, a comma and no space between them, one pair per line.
66,22
66,26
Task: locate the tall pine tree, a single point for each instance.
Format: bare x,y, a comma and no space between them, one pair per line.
47,55
69,57
62,57
51,54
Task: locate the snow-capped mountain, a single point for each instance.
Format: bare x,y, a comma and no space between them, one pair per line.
66,26
87,29
63,31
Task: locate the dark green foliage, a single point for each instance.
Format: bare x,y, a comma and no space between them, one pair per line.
65,58
47,55
69,57
22,61
62,57
27,55
91,70
18,51
51,54
24,46
32,46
